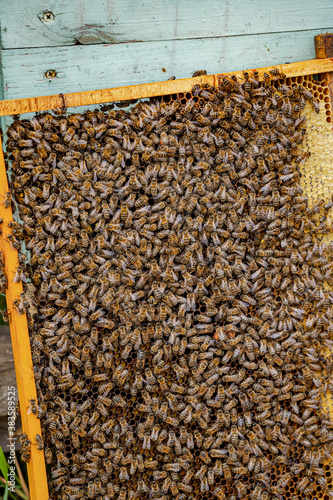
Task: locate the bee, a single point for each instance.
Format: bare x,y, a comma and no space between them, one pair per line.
119,401
24,441
8,199
48,455
5,314
62,458
40,442
226,471
199,73
141,360
276,74
219,493
33,408
18,307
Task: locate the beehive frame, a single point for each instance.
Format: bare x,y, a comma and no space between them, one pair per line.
19,326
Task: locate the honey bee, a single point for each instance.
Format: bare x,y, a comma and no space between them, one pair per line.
40,442
33,408
275,72
226,471
62,458
5,314
141,359
8,199
24,441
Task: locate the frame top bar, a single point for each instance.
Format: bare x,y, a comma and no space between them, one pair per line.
44,103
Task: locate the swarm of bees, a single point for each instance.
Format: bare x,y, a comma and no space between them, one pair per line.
184,311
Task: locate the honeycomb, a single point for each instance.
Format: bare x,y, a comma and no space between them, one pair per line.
317,177
159,369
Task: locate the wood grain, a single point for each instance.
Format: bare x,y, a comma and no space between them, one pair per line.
43,103
81,68
118,21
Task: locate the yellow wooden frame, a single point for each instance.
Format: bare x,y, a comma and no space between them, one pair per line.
19,326
21,350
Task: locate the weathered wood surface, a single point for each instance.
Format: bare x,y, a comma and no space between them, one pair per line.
24,24
43,103
80,68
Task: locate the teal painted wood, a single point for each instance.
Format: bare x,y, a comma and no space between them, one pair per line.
108,21
102,66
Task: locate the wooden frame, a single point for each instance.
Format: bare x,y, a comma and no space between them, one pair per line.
33,104
19,326
21,350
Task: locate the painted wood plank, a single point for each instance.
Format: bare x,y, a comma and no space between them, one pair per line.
28,24
80,68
